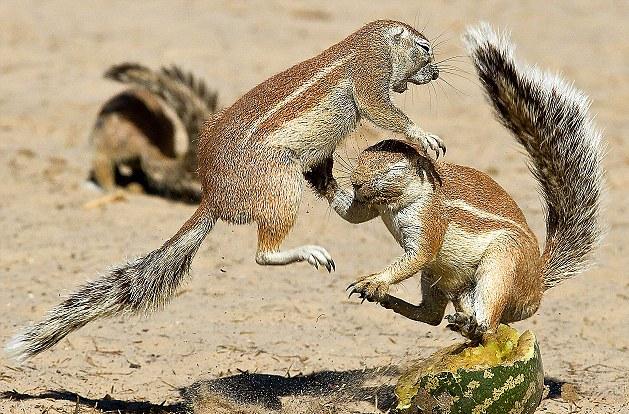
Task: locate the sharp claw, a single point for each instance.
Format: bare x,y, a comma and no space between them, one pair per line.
351,285
327,266
351,293
333,265
364,299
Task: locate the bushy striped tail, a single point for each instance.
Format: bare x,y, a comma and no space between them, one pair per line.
551,120
189,96
139,286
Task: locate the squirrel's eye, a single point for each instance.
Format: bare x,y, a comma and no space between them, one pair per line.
398,36
425,47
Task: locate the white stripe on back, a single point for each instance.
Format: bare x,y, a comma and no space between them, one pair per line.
314,79
463,205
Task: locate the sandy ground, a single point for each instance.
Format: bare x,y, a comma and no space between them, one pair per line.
236,316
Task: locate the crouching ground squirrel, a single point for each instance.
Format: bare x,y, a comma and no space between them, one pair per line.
459,228
137,129
252,157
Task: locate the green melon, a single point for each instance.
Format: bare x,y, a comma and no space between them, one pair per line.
502,375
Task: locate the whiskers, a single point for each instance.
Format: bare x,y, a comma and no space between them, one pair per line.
449,68
343,169
456,66
345,158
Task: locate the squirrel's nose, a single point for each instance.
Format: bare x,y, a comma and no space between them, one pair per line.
358,185
435,73
358,194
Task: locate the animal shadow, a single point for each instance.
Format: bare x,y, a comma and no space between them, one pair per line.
106,404
247,389
261,390
266,390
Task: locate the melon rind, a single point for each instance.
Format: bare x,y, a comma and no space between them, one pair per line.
511,387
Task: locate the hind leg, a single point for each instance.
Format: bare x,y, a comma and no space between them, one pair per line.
431,308
277,216
480,310
269,253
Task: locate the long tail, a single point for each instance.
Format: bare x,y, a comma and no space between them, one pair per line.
551,120
139,286
191,99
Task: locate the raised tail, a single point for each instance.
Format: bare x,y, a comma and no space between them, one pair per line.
551,120
142,285
189,97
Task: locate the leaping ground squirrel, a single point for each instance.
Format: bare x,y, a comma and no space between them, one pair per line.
459,228
252,157
137,128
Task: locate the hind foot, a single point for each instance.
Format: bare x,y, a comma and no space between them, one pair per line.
466,325
315,255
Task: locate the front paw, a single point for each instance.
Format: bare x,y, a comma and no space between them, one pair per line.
434,143
374,288
426,140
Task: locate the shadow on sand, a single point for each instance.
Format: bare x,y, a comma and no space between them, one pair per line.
260,392
263,391
106,404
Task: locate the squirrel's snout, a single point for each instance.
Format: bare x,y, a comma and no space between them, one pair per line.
358,186
435,73
358,194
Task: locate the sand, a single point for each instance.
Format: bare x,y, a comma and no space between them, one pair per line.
236,316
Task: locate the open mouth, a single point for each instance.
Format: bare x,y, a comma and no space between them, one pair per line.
426,74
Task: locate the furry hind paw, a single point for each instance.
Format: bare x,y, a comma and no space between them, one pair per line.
466,325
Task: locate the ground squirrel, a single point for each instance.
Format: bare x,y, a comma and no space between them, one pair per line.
459,228
136,130
252,157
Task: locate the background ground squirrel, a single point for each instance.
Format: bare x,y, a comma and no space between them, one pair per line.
136,130
459,228
252,157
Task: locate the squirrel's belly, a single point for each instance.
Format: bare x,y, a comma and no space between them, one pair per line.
315,133
460,255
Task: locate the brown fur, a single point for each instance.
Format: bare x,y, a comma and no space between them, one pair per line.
136,130
249,176
503,283
130,123
459,228
252,158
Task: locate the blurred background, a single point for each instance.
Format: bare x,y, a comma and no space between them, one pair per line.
235,315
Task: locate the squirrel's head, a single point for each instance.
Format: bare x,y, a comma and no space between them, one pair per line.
393,172
410,52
